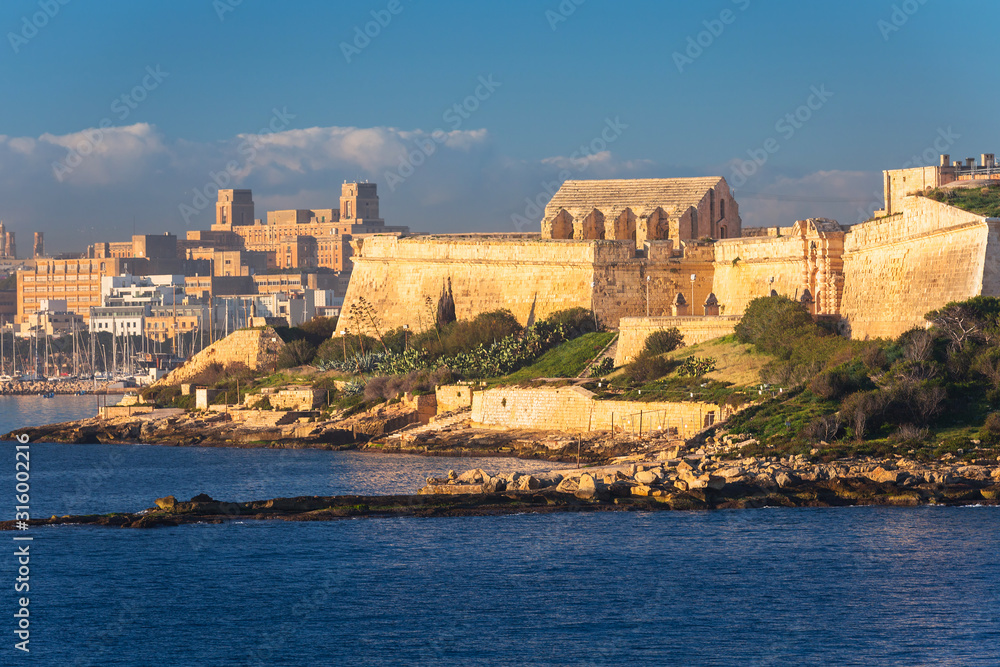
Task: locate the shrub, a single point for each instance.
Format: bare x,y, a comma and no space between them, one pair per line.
863,411
967,322
696,366
835,383
772,323
647,368
296,353
909,435
376,388
318,329
485,329
467,335
874,358
332,349
577,321
358,364
603,367
661,342
989,434
389,387
825,428
831,385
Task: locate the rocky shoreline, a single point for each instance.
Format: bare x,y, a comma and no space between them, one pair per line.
450,436
696,481
586,493
614,472
63,387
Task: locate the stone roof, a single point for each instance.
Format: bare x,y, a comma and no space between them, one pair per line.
642,195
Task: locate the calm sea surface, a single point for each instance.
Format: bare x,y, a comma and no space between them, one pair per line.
858,586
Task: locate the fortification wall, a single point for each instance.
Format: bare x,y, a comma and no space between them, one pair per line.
633,332
532,278
744,268
898,184
574,409
256,348
897,269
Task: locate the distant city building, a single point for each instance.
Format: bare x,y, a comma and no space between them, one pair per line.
290,266
167,322
8,306
129,290
50,319
298,238
8,249
77,281
119,320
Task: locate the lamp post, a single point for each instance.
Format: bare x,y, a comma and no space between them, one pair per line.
693,276
647,296
406,330
343,339
770,284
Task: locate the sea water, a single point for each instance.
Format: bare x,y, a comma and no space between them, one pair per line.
834,586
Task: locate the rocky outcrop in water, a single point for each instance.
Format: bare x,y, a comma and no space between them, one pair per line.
699,480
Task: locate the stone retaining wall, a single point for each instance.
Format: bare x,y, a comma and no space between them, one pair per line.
574,409
453,397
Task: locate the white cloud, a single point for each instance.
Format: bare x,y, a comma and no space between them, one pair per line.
602,163
88,186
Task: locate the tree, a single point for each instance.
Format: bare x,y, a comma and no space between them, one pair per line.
976,320
770,323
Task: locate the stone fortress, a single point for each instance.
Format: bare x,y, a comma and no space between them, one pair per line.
654,253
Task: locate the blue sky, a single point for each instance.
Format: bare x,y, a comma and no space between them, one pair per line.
675,88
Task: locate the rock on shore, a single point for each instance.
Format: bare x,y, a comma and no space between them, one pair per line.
749,482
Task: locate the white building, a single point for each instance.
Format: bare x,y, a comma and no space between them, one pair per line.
326,303
129,290
119,320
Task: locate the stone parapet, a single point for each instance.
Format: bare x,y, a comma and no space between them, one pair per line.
633,332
